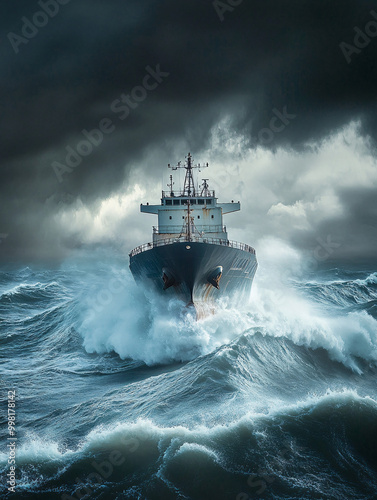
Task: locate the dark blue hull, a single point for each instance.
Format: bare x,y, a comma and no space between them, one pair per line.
195,272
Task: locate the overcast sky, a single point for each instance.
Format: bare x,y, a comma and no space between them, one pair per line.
278,96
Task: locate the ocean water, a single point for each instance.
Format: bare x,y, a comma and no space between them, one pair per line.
121,395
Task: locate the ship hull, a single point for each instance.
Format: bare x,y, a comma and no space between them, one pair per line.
195,272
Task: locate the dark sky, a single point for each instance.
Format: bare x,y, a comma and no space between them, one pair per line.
278,96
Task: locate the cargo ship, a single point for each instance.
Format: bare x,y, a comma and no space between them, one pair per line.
190,256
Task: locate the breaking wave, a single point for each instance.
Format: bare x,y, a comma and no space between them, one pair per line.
123,395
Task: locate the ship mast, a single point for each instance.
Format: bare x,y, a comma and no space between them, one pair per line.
205,190
171,184
188,227
189,185
188,221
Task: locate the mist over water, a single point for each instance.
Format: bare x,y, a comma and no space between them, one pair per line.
274,397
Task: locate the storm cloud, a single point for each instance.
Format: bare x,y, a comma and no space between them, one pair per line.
279,97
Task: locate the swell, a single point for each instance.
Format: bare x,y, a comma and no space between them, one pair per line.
40,331
294,450
30,293
343,293
255,373
249,399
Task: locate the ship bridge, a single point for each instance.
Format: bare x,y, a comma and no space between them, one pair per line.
192,213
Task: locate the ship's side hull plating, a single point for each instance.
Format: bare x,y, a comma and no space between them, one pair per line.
195,272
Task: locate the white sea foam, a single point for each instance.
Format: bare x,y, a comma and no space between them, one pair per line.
280,310
28,288
369,280
154,330
36,450
175,440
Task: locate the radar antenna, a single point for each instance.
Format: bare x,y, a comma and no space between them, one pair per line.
205,191
170,185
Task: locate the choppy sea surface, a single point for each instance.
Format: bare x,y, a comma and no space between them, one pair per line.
121,395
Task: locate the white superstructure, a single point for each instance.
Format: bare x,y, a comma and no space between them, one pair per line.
191,212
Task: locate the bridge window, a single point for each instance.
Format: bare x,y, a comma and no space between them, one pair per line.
175,202
183,202
193,202
200,202
209,202
168,202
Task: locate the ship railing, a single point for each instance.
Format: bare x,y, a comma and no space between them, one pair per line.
176,194
193,239
166,229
